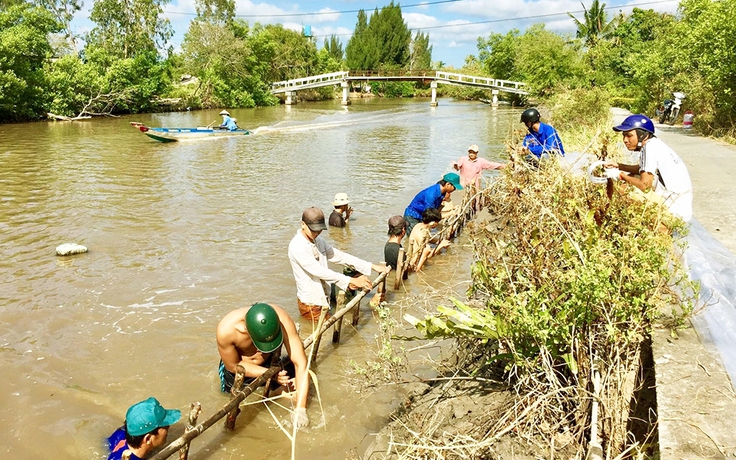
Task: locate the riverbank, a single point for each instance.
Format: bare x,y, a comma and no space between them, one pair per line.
694,396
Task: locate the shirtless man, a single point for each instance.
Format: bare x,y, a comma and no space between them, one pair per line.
249,336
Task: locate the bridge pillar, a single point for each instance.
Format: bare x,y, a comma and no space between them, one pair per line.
345,93
494,102
433,85
289,96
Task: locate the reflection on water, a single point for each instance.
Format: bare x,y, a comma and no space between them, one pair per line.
178,235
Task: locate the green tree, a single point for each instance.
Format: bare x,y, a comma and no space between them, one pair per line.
64,11
360,53
334,48
24,50
390,34
216,10
498,54
421,52
595,24
127,27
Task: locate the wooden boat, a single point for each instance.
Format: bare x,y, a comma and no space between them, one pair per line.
178,134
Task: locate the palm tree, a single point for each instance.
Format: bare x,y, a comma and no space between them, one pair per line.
594,25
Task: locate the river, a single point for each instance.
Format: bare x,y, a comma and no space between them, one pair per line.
178,235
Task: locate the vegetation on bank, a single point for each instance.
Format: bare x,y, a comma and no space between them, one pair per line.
567,280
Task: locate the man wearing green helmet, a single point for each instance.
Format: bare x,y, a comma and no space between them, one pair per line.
249,337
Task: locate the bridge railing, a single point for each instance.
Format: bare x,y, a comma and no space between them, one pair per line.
460,78
302,82
392,73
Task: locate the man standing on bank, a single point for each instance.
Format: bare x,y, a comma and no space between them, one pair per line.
249,337
430,198
542,140
660,169
309,254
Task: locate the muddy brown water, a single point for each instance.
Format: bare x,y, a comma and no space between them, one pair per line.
178,235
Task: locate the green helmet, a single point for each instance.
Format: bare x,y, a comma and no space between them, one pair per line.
262,323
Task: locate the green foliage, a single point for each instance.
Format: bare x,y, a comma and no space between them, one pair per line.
595,24
24,49
393,88
382,41
333,46
128,27
421,52
540,58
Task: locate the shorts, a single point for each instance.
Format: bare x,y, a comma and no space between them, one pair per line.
227,378
310,311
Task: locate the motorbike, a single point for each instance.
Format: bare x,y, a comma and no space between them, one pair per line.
671,109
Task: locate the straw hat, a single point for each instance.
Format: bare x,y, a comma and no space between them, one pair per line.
340,199
224,112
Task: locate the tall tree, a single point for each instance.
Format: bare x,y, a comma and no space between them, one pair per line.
127,27
334,48
595,24
216,10
359,52
421,52
390,34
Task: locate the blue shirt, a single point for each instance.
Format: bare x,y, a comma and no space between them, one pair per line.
430,197
228,123
545,141
117,445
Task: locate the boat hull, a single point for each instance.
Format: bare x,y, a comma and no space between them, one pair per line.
179,134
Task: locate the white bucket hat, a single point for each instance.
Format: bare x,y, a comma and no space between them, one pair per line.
224,112
340,199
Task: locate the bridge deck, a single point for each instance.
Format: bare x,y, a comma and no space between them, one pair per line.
337,78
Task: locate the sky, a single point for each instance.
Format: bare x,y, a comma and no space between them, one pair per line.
453,25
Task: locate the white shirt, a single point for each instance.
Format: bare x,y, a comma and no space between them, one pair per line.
312,276
671,179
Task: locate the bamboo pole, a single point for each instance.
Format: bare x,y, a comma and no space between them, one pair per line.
399,269
338,325
235,390
187,437
194,412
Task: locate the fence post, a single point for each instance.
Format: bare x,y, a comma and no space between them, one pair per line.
237,388
338,325
318,339
399,269
194,412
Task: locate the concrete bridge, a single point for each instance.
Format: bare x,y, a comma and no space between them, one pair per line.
290,87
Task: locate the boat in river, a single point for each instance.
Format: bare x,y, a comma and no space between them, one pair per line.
178,134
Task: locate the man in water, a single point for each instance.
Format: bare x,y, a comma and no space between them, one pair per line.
430,197
309,254
249,337
659,170
542,140
228,123
341,214
145,428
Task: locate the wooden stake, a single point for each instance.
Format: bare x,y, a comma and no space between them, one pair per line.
399,269
317,341
194,412
235,390
356,312
275,357
338,324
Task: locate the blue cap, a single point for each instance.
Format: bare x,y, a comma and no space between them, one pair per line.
146,416
454,179
635,122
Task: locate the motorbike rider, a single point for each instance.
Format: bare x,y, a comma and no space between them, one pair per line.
660,169
542,140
